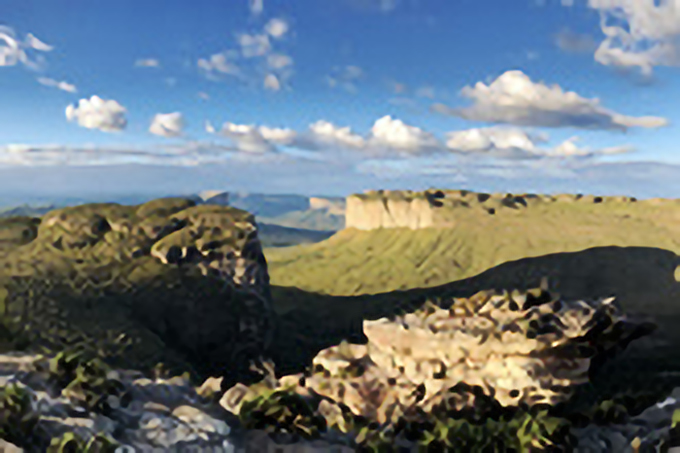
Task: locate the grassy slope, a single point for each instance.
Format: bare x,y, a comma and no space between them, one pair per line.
280,236
356,262
311,219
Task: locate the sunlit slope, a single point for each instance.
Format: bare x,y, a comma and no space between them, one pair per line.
365,262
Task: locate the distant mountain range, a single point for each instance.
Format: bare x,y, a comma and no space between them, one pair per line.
284,220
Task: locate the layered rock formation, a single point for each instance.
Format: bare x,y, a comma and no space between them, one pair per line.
437,208
187,283
522,348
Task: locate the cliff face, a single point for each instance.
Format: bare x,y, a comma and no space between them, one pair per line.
437,208
367,213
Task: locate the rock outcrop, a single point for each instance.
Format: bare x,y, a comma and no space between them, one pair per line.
188,284
520,347
439,208
142,414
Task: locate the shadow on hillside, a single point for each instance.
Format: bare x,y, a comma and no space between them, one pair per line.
641,278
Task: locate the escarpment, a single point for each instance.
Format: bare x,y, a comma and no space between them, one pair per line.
187,283
443,208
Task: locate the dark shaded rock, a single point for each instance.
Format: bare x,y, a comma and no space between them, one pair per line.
188,284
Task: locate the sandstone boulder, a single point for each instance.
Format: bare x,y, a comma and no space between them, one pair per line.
519,348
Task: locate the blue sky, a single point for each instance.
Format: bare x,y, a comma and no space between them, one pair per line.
339,96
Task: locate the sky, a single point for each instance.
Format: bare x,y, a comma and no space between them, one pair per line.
339,96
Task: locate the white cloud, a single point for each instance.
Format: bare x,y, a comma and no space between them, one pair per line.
256,6
513,98
220,62
183,154
147,63
330,134
97,113
639,33
13,51
394,133
517,144
279,61
254,45
271,82
203,95
167,124
277,28
280,136
250,138
57,84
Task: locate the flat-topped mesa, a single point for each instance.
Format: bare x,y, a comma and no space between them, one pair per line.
440,208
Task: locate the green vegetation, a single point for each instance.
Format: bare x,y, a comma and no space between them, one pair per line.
368,262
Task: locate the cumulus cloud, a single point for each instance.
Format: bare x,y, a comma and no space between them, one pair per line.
13,51
639,33
147,63
271,82
513,98
517,144
203,95
97,113
64,86
167,124
394,133
253,139
572,42
332,135
276,28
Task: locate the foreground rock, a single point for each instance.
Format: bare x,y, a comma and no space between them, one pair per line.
520,348
187,284
145,415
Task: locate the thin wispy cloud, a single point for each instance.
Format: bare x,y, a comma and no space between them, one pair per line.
13,51
64,86
345,77
187,154
255,60
382,6
513,98
97,113
256,6
220,63
572,42
147,63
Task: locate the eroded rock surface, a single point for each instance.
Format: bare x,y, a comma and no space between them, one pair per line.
187,283
519,347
